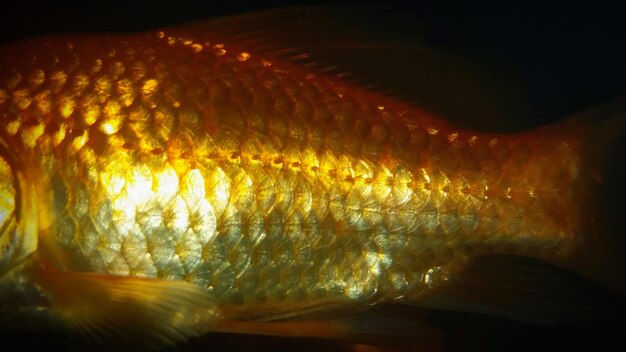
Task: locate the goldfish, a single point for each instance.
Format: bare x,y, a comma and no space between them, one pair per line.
162,185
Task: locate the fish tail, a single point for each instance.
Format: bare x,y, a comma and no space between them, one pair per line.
599,251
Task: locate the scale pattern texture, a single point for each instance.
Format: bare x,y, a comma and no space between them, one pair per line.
160,156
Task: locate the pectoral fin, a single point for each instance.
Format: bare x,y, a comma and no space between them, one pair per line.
129,311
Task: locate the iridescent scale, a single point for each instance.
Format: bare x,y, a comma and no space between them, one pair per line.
262,182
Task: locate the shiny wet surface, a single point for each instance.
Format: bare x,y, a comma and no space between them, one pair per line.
559,76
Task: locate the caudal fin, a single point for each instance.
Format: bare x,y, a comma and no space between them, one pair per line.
583,177
600,252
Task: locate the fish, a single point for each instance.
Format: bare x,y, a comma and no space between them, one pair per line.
162,185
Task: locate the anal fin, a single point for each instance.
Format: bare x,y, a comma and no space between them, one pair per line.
522,289
388,325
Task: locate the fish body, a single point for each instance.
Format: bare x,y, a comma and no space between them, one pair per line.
244,188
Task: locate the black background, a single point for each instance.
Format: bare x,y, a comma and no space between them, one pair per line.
570,55
565,57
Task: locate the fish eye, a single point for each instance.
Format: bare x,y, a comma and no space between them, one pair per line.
8,216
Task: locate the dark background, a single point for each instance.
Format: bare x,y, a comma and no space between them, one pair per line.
570,56
565,57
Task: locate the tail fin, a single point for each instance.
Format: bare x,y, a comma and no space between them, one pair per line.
581,178
600,253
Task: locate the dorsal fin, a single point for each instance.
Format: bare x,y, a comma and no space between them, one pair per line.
376,48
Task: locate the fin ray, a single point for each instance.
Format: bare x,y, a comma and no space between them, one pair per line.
378,48
383,325
599,253
521,289
143,312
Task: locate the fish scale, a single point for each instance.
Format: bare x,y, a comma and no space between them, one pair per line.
262,183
